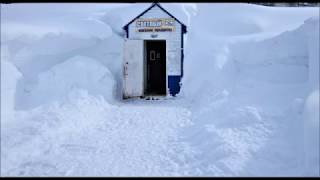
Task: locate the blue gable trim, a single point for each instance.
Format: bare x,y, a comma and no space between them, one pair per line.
126,27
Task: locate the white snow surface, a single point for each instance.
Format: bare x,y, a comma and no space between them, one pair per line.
249,104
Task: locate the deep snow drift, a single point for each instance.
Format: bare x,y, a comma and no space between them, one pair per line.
249,104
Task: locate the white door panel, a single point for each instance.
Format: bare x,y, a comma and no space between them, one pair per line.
133,68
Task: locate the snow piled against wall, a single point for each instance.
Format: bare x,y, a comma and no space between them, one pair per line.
86,74
262,73
9,78
311,108
35,56
255,44
249,80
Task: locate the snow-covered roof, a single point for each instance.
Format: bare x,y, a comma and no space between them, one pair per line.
117,19
154,4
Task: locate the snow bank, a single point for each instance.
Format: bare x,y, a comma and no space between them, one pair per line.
311,134
47,51
251,81
39,55
224,62
311,109
246,19
78,72
312,25
80,19
9,77
246,34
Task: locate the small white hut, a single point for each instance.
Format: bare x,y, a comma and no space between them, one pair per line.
153,54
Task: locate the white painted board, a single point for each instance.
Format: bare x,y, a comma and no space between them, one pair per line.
133,68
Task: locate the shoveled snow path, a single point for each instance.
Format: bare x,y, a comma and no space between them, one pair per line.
89,137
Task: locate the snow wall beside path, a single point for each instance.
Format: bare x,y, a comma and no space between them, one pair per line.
78,72
9,77
311,108
269,69
36,58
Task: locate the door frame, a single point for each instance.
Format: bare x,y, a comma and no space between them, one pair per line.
145,67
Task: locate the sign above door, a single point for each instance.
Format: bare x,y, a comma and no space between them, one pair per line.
155,25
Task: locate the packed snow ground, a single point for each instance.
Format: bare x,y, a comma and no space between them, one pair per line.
249,104
124,140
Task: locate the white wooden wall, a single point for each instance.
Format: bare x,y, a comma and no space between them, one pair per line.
173,39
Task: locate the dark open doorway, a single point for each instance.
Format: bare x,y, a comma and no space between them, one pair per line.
155,67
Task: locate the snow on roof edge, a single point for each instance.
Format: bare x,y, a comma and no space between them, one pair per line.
152,5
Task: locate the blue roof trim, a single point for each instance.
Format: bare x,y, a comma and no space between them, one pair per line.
184,27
